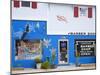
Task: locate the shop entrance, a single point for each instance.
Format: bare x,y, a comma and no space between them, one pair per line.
63,51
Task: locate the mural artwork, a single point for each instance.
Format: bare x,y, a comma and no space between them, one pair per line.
49,37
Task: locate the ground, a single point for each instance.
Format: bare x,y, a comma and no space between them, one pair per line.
59,68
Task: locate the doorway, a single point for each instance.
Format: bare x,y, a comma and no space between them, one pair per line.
63,51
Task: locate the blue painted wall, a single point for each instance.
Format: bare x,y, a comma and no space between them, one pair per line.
38,30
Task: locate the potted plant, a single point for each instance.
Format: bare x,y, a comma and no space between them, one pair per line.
45,65
38,62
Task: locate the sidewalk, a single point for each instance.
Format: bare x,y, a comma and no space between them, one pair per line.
59,68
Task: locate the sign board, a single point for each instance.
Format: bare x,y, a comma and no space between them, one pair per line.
85,47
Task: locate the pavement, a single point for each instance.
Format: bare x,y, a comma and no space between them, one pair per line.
59,68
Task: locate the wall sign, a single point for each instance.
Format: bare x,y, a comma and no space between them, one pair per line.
85,47
83,11
61,18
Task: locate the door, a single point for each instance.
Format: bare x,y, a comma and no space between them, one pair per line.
63,51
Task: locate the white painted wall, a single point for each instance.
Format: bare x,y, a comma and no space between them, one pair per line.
26,13
49,13
80,24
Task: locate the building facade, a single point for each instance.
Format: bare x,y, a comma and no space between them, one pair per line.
41,29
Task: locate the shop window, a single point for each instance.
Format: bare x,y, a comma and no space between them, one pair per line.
28,49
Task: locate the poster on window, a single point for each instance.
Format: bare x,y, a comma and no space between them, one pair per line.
27,49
